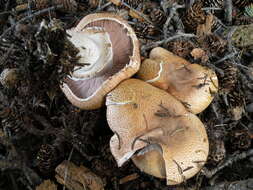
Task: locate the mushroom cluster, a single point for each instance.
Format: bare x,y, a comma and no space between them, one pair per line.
152,117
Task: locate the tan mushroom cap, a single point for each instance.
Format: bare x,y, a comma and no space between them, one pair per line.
140,114
88,92
131,109
184,151
192,84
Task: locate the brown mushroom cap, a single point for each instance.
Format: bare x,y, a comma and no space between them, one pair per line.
184,151
88,92
192,84
140,115
130,109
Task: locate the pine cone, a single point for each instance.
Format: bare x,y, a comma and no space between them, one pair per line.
241,3
236,102
13,127
229,80
217,151
47,158
220,3
214,3
143,30
181,48
235,97
213,43
68,5
133,3
41,4
216,139
194,16
240,139
158,17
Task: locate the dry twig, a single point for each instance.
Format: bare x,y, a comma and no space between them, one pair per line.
229,161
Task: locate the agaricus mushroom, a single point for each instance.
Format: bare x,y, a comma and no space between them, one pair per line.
182,152
109,53
192,84
173,143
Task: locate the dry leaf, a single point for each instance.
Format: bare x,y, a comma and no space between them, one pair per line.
128,178
77,178
206,28
47,185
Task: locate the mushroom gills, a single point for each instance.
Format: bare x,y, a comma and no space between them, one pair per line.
106,48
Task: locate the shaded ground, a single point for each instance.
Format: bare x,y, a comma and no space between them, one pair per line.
40,128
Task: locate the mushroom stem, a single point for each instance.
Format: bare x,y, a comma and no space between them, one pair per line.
95,52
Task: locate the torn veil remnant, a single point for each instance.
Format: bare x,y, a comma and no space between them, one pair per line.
192,84
171,141
109,53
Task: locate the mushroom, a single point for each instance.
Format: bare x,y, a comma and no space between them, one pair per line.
171,141
109,53
181,154
192,84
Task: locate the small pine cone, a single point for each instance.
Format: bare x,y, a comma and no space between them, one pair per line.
181,48
217,25
235,97
214,44
214,3
221,3
143,30
158,17
194,16
235,100
241,3
68,5
41,4
229,80
133,3
217,151
47,158
240,139
14,128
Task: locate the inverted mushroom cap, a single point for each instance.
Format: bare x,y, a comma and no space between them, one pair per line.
192,84
109,53
141,115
